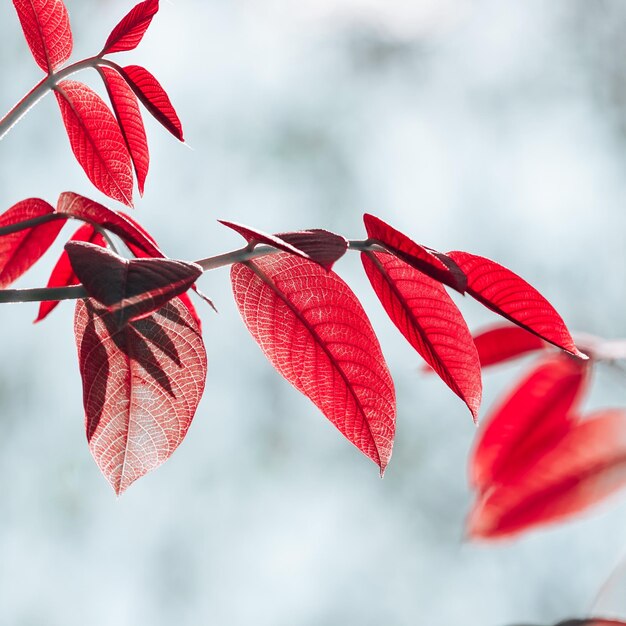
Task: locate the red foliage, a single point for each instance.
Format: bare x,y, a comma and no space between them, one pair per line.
130,31
47,30
315,333
504,343
141,386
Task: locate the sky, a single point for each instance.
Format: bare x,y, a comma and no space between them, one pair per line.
491,126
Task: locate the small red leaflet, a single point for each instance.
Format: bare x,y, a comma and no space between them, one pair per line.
505,293
126,109
96,140
63,275
153,97
317,245
422,259
141,386
425,314
47,30
315,333
22,249
129,289
499,344
131,29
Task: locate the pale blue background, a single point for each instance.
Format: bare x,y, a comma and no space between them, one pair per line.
493,126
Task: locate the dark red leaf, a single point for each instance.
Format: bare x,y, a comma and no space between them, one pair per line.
96,140
126,109
504,292
153,97
141,386
63,275
583,467
130,31
46,27
315,333
129,289
419,257
317,245
537,412
504,343
425,314
74,205
321,246
20,250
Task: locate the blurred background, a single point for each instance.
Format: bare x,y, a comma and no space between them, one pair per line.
492,126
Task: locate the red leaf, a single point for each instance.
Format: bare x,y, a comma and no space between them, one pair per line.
317,245
504,343
126,109
74,205
583,467
22,249
129,289
46,27
321,246
153,97
528,421
63,275
130,31
315,333
504,292
425,314
141,386
419,257
96,140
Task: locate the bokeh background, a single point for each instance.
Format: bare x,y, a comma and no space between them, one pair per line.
493,126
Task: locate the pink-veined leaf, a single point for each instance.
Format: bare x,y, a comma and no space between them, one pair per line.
74,205
315,332
46,27
129,289
425,314
419,257
62,274
126,109
505,293
141,386
96,140
583,467
153,97
22,249
130,31
317,245
537,412
499,344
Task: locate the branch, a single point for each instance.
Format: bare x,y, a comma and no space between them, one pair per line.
43,87
240,255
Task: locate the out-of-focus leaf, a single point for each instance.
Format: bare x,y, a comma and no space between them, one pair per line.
585,466
504,343
535,414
